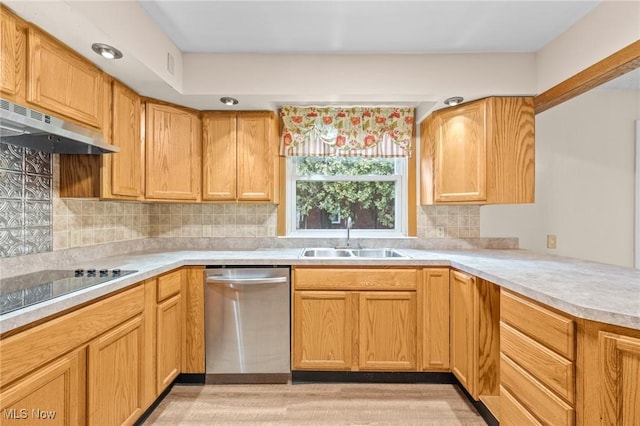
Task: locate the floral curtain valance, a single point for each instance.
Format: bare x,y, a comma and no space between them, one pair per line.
347,132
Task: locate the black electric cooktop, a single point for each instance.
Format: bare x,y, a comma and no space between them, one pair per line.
25,290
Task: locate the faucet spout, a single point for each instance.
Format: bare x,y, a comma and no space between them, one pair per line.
349,231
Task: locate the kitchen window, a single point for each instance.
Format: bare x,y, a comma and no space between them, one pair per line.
347,162
322,192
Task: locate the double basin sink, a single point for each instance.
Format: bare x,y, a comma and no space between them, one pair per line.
370,253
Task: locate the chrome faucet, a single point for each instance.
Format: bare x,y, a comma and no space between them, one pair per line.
349,231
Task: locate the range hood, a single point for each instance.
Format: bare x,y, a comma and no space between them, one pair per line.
26,127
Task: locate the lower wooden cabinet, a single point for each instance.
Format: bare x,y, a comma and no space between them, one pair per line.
322,330
475,337
105,363
537,368
168,341
115,375
608,375
387,330
338,328
53,394
462,335
435,319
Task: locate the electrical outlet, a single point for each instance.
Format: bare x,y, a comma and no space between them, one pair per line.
439,231
552,241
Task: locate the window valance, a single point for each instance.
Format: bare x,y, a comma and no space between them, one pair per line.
346,132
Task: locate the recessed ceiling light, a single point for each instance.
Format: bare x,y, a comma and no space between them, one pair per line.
455,100
227,100
106,51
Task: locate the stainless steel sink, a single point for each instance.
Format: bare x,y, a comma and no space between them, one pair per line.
377,253
328,253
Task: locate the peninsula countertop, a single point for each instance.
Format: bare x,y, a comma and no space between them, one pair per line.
583,289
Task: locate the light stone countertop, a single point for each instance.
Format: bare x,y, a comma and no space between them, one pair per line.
589,290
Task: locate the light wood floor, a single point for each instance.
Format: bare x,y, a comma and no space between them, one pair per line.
316,404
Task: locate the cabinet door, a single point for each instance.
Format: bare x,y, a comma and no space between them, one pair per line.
435,311
124,169
460,154
620,379
322,330
115,375
462,329
219,156
173,151
169,341
256,156
52,395
8,54
62,81
387,333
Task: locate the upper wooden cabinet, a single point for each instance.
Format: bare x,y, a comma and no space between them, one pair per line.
13,56
61,81
239,156
173,153
122,172
480,152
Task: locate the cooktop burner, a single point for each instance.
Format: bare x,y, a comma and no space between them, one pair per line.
25,290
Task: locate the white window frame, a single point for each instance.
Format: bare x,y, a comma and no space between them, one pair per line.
401,203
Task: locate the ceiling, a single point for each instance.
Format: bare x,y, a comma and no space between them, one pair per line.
257,50
305,26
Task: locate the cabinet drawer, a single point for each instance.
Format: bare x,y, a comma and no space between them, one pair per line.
169,284
556,331
556,372
355,279
512,413
534,396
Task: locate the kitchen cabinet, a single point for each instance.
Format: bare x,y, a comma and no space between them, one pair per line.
122,172
537,363
462,335
173,153
193,347
341,312
387,330
62,82
168,329
115,375
239,156
53,393
608,372
480,152
106,362
475,344
322,330
13,56
435,319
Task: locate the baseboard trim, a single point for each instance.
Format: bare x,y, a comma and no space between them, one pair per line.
300,376
482,409
190,379
154,405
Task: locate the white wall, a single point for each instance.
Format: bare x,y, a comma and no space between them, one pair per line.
584,181
608,28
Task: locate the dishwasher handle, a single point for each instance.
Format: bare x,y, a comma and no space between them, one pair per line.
245,281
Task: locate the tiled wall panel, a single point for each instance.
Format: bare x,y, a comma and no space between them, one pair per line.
25,201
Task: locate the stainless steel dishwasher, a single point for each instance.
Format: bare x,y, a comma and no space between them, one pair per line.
247,325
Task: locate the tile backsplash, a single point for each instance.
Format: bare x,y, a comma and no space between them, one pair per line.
34,219
25,201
